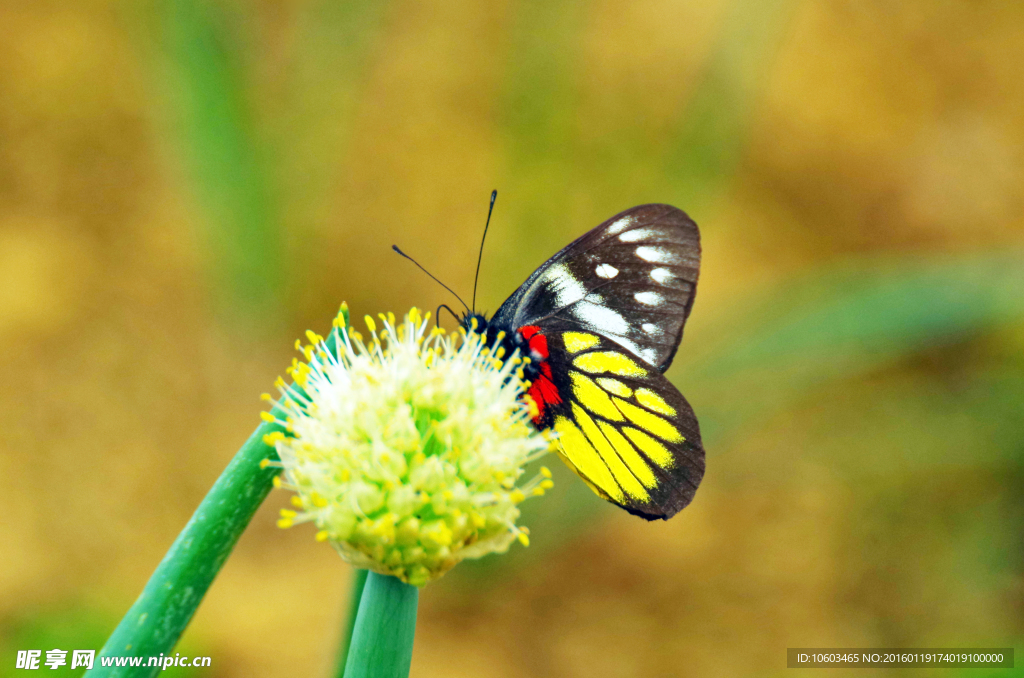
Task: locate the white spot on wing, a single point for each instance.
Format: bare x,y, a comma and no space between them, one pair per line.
662,275
606,271
620,225
566,288
600,318
649,298
648,354
636,234
655,255
650,328
633,347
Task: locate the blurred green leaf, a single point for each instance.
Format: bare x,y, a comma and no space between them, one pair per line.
841,322
226,156
889,428
338,43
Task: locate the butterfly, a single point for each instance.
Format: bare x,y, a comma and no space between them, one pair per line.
599,323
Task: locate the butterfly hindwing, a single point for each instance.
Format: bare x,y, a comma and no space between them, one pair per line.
631,279
621,425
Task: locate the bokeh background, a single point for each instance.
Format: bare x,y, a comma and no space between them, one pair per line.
186,186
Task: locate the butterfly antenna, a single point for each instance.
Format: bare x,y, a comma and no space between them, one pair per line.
395,248
437,315
479,258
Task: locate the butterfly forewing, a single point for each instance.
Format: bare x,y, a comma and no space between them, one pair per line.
622,426
631,279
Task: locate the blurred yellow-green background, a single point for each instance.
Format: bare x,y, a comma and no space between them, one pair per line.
186,186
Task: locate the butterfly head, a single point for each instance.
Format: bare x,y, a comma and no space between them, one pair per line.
493,334
531,345
474,322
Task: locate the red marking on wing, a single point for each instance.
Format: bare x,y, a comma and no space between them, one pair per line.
539,345
548,391
544,392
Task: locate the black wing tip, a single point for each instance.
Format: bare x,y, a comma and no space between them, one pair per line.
660,512
675,502
650,517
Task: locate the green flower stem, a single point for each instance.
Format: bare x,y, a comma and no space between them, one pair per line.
358,582
156,621
159,616
381,644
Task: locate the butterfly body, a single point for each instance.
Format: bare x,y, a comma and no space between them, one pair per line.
597,325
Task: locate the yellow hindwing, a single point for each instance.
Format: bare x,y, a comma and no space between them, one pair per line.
582,455
620,472
617,435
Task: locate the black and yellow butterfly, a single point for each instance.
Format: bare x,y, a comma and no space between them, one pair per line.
601,321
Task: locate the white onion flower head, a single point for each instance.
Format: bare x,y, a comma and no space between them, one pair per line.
407,451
